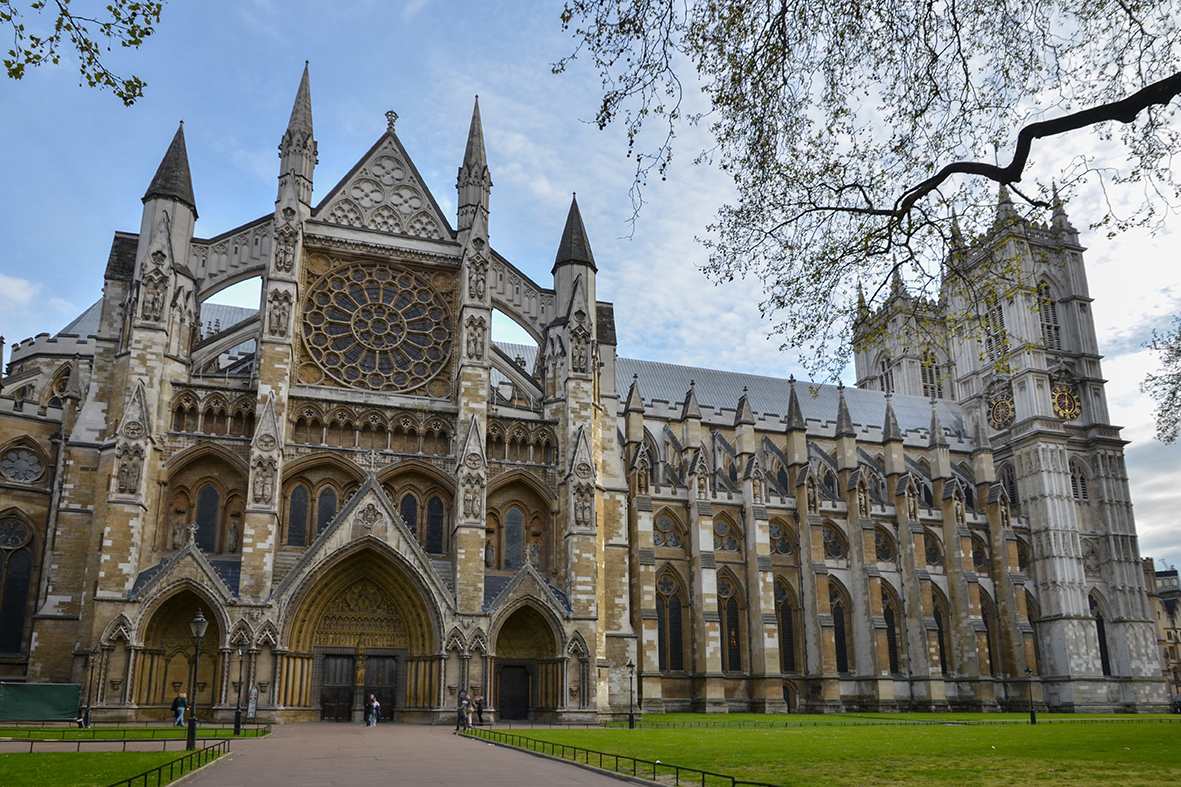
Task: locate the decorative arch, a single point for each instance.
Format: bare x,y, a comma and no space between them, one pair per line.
668,531
553,625
672,605
268,635
1098,606
519,524
732,610
785,540
892,615
213,603
182,459
841,607
456,642
167,644
1079,480
118,630
26,443
1047,306
727,534
941,615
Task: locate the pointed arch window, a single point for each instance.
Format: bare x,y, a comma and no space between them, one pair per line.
1078,483
933,549
726,536
886,375
840,623
932,376
731,624
1048,310
208,517
787,615
325,508
1009,480
891,614
16,573
835,545
1101,631
783,540
666,532
409,511
941,638
297,516
434,525
669,607
514,538
996,340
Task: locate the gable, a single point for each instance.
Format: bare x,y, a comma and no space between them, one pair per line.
385,193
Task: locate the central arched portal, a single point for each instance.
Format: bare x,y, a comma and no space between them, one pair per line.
363,626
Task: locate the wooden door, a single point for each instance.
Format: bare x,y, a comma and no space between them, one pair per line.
336,688
381,680
513,702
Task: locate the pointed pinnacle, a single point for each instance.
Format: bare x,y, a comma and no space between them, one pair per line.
844,420
301,109
795,417
173,179
574,247
635,402
690,409
474,154
982,441
74,382
744,414
891,433
937,439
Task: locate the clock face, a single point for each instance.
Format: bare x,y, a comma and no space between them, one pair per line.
1066,403
1001,412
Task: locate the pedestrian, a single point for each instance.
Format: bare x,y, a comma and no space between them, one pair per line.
480,709
179,703
374,714
461,711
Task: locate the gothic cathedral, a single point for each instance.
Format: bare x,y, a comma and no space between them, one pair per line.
363,493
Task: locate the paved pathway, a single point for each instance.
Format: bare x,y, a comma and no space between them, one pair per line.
352,755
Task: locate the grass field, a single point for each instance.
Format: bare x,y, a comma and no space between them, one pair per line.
1093,753
84,770
846,719
122,733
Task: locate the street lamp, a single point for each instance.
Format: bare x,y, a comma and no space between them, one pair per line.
238,706
1029,682
631,699
90,656
197,626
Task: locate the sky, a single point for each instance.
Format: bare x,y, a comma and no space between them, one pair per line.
74,163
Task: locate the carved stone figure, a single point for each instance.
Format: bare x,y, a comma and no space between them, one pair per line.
234,535
179,532
489,554
912,506
863,501
475,337
285,239
477,277
959,511
131,461
756,486
813,498
642,478
533,554
279,313
154,291
472,498
583,505
263,488
702,486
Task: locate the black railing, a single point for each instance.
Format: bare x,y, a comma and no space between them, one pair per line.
176,768
32,745
22,731
615,763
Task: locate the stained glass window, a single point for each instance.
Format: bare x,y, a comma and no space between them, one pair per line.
932,376
888,613
787,628
883,544
668,622
726,535
297,516
434,525
409,511
979,555
665,533
839,624
325,508
514,538
782,538
208,514
16,571
731,625
934,549
835,546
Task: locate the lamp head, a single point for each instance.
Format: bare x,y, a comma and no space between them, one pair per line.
631,667
198,625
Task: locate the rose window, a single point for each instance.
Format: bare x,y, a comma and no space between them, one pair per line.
377,326
21,465
14,533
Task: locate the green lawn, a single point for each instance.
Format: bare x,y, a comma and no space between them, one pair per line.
82,770
895,754
122,733
846,719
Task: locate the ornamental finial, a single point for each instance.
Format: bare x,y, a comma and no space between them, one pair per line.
391,119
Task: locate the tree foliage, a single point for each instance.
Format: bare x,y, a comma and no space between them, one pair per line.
857,132
1164,386
44,31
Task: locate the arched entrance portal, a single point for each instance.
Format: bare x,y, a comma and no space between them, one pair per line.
363,627
164,667
527,670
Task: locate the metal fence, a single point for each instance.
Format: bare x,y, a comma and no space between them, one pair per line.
173,769
615,763
121,732
34,745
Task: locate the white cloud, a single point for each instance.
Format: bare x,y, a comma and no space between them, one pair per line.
17,292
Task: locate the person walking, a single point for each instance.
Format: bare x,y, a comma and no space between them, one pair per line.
461,711
480,709
179,703
374,714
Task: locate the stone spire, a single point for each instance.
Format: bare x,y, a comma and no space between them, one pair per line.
575,246
795,416
297,148
173,179
635,403
937,439
981,437
690,408
891,433
1005,212
862,308
897,286
474,181
1059,220
844,420
744,414
300,124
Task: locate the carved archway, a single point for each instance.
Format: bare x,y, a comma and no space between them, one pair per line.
165,662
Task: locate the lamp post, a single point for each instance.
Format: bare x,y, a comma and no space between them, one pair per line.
90,656
197,626
238,706
1029,684
631,700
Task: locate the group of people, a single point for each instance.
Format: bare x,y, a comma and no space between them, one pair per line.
466,708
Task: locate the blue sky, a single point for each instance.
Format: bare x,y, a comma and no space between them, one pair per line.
74,164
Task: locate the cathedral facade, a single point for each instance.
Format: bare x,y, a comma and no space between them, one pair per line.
363,493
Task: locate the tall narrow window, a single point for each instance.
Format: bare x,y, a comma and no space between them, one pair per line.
840,635
325,508
409,511
891,634
434,525
996,340
514,538
932,376
16,570
668,623
208,514
1048,309
1009,479
731,624
297,515
1078,483
886,375
787,629
941,639
1101,631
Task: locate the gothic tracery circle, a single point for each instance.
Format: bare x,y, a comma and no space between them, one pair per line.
14,533
377,326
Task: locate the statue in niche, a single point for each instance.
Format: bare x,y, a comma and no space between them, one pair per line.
234,534
912,505
642,479
489,554
533,554
862,501
702,486
471,496
477,277
152,300
813,498
475,337
279,316
756,486
178,534
583,506
958,511
285,240
130,469
263,487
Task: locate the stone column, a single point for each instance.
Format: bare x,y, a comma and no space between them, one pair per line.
709,691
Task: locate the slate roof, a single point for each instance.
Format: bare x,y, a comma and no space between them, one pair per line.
216,317
768,396
121,261
86,323
173,179
575,246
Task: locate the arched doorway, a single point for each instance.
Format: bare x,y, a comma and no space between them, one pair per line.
528,671
164,665
363,626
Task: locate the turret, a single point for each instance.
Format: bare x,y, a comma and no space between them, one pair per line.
892,440
797,430
1006,213
691,417
744,426
634,408
1059,220
474,180
574,266
170,211
297,149
845,433
940,458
